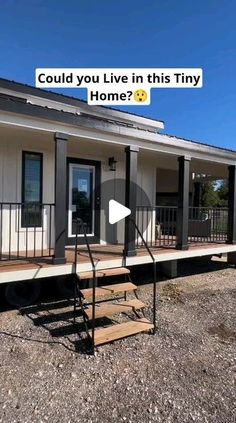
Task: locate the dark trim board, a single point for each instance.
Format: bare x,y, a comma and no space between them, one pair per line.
131,153
232,205
61,141
24,211
183,203
97,198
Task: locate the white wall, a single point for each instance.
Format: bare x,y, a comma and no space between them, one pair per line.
13,142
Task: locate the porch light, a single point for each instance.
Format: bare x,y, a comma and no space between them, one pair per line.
112,164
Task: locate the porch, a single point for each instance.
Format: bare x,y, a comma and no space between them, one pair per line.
64,167
154,226
105,256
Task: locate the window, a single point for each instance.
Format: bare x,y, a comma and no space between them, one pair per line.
31,189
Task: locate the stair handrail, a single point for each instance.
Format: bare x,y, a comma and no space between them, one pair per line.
143,240
80,222
154,270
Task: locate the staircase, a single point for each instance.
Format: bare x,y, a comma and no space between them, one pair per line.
102,302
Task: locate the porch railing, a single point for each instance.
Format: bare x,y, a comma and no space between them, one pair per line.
208,224
158,225
26,230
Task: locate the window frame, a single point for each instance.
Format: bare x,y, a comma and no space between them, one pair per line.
24,155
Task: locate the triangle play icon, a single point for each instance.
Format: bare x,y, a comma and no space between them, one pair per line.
117,212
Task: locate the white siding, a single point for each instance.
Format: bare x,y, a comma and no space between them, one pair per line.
13,142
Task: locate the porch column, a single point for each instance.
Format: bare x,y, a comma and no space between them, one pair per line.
197,194
130,198
232,206
60,197
183,203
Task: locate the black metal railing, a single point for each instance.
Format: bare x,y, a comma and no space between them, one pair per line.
81,227
145,244
208,224
158,225
26,230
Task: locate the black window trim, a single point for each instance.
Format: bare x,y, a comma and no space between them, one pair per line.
24,153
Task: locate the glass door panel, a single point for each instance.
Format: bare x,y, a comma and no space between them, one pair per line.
81,197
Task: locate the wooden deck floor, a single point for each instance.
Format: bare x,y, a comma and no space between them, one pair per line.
109,255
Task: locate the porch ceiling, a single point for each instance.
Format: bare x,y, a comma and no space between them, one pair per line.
85,146
170,162
213,169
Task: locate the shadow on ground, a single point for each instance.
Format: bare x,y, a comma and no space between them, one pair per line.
54,309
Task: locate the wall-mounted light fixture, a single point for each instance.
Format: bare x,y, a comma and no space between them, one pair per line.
112,164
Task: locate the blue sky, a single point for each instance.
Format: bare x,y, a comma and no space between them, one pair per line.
134,33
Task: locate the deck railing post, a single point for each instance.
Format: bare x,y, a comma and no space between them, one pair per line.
231,239
60,197
183,203
130,198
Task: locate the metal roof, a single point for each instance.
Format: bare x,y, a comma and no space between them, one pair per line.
54,96
199,143
20,105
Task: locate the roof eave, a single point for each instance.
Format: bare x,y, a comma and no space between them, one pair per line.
145,139
99,111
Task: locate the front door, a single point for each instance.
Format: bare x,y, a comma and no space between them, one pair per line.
84,199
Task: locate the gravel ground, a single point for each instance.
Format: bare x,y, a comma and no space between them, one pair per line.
185,373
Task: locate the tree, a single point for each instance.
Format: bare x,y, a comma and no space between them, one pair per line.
210,195
223,192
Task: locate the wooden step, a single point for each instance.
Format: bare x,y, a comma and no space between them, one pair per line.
103,291
122,330
104,273
109,309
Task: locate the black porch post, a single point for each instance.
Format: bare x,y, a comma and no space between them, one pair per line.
183,203
130,198
60,197
197,194
232,206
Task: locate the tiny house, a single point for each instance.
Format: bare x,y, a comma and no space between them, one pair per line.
62,160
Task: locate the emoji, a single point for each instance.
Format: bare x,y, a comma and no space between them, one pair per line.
140,96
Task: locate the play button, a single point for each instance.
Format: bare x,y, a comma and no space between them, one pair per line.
117,212
110,212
